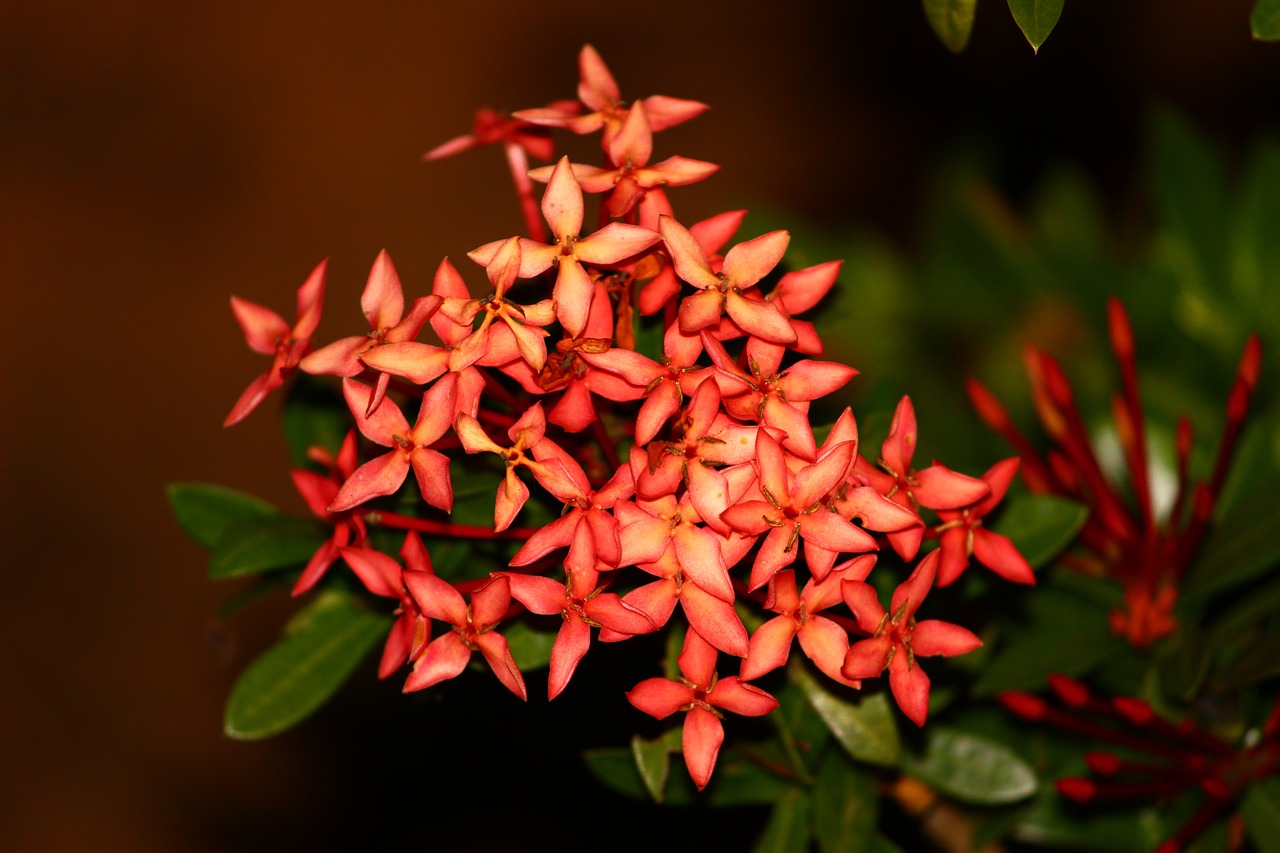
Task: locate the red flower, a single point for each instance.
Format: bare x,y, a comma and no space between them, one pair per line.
446,656
319,491
267,332
703,696
410,447
822,640
383,304
583,605
897,640
962,534
383,576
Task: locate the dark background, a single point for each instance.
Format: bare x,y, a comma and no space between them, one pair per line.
157,157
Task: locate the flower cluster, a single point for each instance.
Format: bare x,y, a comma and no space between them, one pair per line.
1155,758
688,473
1143,552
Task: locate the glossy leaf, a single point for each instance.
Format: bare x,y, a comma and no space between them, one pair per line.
1036,18
845,805
205,511
296,676
1041,526
951,20
531,649
863,726
262,544
971,769
653,761
1261,807
789,826
615,766
1264,21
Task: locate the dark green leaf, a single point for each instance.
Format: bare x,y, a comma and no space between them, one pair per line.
653,761
1036,18
314,415
881,843
205,511
951,20
1064,633
615,766
1041,526
1265,20
257,545
845,805
1261,807
863,726
788,828
296,676
531,649
970,768
1049,822
1240,548
740,780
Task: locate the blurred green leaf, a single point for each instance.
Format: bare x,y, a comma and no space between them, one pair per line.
1063,633
1041,526
1261,807
1052,822
1036,18
615,766
970,768
292,679
530,648
315,414
653,760
864,727
845,805
1239,549
262,544
205,511
1264,21
951,20
789,826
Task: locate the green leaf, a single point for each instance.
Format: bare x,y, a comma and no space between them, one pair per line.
261,544
1265,20
1041,526
845,805
296,676
1241,547
531,649
205,511
971,769
314,415
615,766
653,760
865,728
789,824
1064,633
951,20
1261,807
1036,18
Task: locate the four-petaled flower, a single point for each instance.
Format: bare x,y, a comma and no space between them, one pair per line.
962,534
447,655
897,640
702,695
267,332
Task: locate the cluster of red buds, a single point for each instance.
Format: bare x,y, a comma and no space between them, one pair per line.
1146,554
685,463
1156,759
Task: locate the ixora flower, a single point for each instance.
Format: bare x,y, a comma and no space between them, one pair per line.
702,695
897,640
1144,554
660,402
267,332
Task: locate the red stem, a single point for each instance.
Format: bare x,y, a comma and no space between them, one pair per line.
519,163
446,528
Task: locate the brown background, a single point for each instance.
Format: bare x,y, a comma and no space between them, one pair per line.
157,157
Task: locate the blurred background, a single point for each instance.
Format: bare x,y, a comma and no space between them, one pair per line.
156,158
